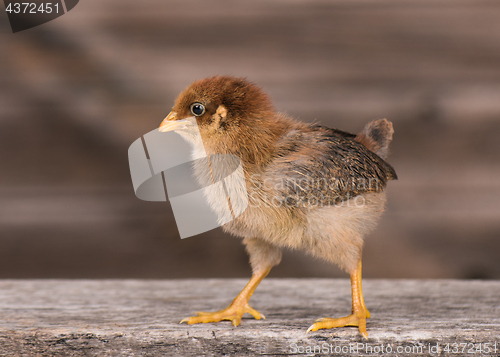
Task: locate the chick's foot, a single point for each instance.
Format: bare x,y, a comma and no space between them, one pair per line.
357,318
233,313
237,308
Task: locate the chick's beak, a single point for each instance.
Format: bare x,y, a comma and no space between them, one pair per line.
171,123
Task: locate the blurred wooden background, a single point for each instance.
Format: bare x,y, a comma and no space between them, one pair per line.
76,92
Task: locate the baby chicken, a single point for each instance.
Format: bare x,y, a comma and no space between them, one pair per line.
309,187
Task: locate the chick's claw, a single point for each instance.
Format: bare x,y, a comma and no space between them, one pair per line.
355,319
233,313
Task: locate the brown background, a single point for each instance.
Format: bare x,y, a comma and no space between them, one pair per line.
76,92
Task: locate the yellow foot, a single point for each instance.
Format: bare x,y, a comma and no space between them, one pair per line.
355,319
233,313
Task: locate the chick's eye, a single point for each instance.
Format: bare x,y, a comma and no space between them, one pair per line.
197,109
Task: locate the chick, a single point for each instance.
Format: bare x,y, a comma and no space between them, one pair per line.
309,187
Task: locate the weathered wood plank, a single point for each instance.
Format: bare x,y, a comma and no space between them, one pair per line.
132,317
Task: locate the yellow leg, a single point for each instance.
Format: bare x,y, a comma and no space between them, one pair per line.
359,312
236,309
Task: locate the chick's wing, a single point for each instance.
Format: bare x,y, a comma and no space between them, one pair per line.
321,166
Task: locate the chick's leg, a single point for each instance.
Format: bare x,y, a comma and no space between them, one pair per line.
262,258
359,312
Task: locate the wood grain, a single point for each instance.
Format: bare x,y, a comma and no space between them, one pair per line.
140,317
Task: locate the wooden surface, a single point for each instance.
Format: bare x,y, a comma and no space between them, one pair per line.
141,317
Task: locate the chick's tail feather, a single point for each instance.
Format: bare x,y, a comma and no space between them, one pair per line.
376,136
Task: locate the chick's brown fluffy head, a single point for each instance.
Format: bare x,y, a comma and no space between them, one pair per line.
220,102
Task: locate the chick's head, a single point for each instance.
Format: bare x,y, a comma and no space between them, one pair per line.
219,105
